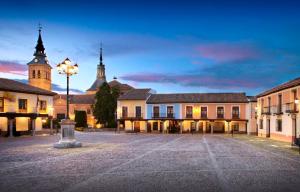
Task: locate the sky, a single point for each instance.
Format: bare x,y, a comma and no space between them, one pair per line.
169,46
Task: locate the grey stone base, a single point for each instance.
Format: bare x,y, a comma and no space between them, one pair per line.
67,144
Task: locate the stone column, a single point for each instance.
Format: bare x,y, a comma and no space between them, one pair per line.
67,135
197,126
51,126
33,126
181,126
118,126
11,126
212,128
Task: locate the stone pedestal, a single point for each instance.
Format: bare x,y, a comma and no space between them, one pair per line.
67,139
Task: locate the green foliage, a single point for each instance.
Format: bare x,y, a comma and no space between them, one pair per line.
106,105
80,119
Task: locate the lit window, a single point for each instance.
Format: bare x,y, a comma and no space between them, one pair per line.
1,104
43,105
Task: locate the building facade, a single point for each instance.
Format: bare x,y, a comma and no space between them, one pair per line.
142,110
278,112
23,107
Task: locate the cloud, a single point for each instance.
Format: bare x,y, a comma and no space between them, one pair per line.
56,88
245,75
192,80
225,52
13,67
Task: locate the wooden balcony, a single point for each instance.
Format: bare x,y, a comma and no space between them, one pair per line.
266,111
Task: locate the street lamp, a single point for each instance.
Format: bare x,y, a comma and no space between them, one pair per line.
65,68
67,126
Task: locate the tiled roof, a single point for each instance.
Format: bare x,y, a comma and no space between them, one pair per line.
16,86
136,94
252,98
78,99
198,98
289,84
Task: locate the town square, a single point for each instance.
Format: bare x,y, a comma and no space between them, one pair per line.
163,96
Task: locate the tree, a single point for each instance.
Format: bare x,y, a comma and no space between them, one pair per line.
106,105
80,119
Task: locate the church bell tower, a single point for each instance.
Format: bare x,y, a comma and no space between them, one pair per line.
39,69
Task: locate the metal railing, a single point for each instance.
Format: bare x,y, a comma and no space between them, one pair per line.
189,115
220,116
131,116
276,109
235,116
266,110
291,108
163,115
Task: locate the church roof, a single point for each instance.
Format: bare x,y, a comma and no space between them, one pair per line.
16,86
97,83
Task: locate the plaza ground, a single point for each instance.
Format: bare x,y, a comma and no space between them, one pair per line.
149,162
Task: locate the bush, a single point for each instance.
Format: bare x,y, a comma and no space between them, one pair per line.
80,119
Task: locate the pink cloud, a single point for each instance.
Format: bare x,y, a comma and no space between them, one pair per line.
193,80
224,52
12,67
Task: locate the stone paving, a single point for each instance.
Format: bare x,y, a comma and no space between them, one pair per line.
147,162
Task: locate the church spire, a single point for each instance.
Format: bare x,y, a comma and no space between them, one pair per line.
39,48
101,59
101,67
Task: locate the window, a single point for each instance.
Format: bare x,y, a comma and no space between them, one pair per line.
156,111
189,112
279,109
43,105
33,74
23,105
261,124
124,112
235,112
203,112
170,112
138,111
88,111
39,74
279,125
1,104
220,112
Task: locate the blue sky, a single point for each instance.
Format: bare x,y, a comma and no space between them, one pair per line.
203,46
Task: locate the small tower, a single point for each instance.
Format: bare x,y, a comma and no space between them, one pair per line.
39,70
101,78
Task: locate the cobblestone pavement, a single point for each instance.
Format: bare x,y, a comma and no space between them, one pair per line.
147,162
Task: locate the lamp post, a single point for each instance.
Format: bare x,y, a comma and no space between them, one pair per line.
67,126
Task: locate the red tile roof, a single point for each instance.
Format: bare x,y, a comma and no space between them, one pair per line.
286,85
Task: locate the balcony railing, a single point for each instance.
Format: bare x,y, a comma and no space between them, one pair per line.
291,108
203,115
266,110
189,115
132,116
220,116
163,115
276,109
235,116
